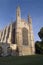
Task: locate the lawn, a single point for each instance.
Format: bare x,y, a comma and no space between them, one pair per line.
22,60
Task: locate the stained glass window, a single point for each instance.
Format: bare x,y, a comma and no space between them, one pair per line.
25,36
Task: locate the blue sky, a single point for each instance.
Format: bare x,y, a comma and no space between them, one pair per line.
32,7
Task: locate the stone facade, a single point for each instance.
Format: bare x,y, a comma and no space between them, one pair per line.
18,36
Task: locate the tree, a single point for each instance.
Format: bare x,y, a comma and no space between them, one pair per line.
40,33
39,44
37,47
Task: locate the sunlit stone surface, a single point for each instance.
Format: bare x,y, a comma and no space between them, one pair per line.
17,38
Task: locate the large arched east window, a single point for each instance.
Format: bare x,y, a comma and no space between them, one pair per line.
25,36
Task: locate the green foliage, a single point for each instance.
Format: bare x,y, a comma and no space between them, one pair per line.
40,33
39,44
39,47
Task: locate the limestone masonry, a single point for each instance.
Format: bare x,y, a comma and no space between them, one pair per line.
17,39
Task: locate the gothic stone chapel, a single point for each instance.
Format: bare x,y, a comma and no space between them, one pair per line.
17,38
